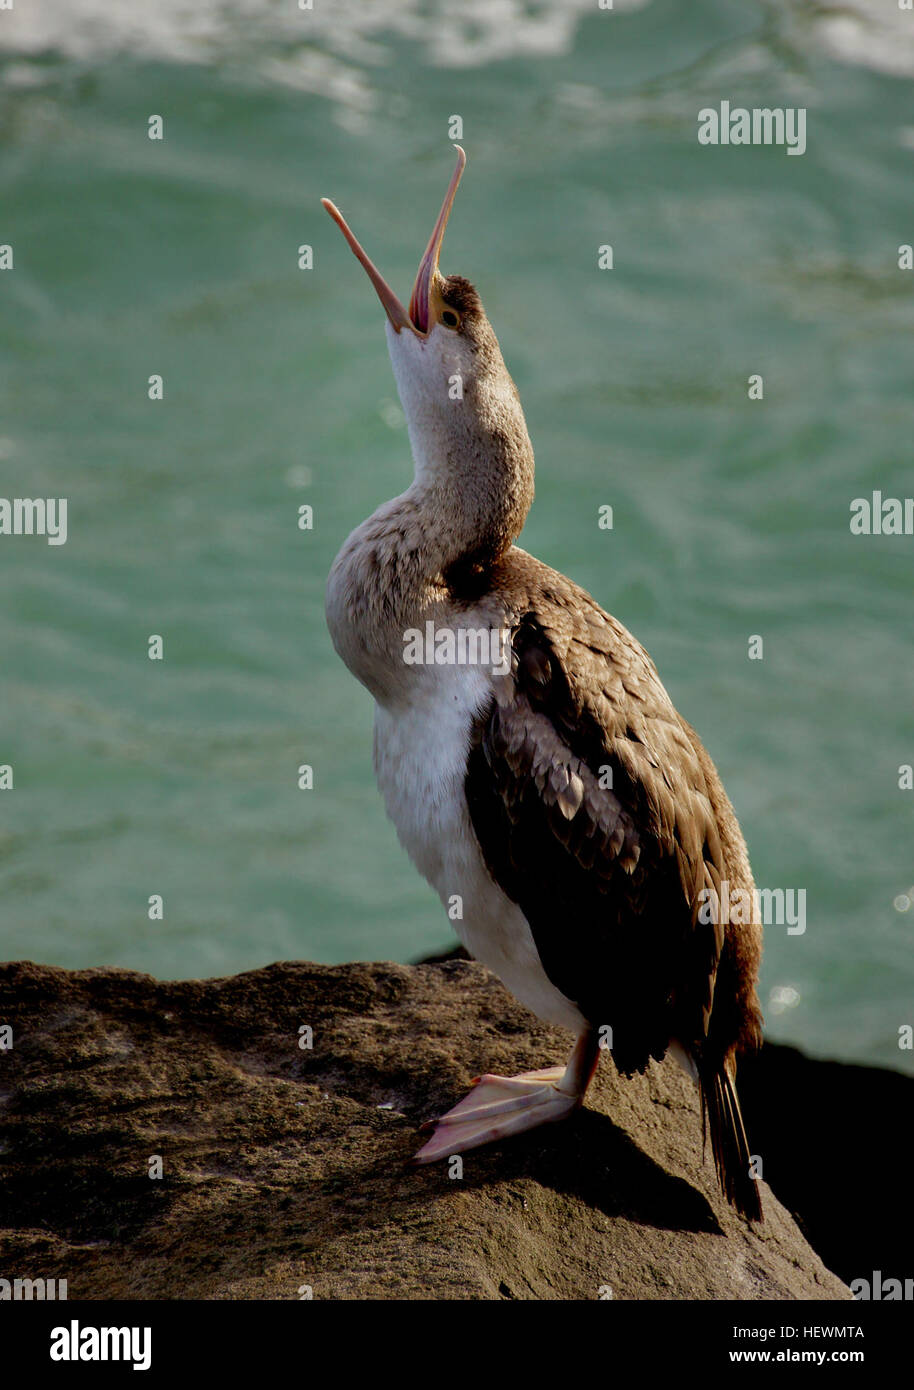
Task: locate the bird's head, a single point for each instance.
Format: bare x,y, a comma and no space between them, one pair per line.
464,416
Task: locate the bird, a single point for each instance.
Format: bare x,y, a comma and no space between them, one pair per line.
544,783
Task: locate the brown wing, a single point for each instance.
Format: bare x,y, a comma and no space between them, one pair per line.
592,812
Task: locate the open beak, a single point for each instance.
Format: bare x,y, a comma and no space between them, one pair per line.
417,319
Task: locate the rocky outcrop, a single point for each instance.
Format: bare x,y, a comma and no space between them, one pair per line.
285,1167
836,1142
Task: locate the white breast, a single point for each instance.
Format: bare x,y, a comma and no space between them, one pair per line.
421,752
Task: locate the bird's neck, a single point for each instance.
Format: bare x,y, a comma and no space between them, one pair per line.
404,567
471,451
427,553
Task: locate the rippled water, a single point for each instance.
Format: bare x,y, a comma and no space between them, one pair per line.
178,257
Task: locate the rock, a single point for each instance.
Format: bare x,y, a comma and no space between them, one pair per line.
286,1167
836,1140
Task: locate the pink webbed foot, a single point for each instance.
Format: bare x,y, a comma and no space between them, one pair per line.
497,1107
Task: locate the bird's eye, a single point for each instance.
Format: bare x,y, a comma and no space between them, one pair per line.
450,318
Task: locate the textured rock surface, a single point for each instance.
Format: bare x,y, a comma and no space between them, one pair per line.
837,1141
285,1167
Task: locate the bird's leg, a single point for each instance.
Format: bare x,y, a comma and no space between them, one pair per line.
499,1106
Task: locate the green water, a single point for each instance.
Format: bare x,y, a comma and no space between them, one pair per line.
178,257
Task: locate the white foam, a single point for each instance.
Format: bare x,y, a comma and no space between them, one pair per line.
869,33
464,34
331,49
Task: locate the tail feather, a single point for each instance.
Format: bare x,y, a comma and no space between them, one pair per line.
721,1114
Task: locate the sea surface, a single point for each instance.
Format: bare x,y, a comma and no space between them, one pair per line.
178,258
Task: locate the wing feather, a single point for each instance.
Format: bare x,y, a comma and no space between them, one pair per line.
592,812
